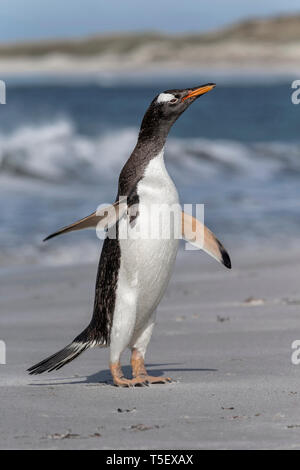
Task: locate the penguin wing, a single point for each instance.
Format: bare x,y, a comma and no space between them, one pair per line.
201,237
103,218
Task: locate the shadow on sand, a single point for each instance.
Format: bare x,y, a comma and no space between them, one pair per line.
104,377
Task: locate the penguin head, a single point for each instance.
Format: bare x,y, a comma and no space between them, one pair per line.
166,107
177,101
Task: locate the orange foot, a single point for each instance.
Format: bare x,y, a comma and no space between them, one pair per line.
139,370
150,379
121,381
136,382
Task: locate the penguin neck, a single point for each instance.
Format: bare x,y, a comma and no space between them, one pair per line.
151,143
154,133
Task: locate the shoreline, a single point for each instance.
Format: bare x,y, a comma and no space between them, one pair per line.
72,70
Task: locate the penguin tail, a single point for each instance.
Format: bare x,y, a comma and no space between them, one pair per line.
64,356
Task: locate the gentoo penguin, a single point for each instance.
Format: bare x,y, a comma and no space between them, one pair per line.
134,270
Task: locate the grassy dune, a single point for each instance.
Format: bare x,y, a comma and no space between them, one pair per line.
254,43
279,30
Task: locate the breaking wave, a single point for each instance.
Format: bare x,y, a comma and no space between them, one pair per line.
57,152
241,183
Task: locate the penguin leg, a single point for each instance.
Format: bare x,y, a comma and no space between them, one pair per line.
138,350
122,331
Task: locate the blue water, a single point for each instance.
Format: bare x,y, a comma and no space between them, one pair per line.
244,113
237,150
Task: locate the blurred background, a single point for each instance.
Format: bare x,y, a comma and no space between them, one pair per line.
79,78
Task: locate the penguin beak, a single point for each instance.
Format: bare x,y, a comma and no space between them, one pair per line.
199,91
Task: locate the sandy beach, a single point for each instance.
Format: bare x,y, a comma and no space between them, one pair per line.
75,83
223,336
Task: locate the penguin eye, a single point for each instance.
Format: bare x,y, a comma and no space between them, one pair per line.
173,100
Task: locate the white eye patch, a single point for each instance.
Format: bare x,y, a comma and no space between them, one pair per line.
164,97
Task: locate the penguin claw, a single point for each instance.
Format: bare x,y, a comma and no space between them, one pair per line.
142,381
149,379
131,383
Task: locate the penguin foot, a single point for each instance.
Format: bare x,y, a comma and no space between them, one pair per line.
150,379
139,370
121,381
136,382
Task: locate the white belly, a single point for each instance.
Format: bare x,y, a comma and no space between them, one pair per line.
149,252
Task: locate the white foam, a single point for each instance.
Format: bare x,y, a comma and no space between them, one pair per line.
58,153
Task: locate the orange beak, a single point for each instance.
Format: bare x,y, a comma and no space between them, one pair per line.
199,91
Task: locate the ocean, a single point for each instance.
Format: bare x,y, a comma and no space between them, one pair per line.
62,146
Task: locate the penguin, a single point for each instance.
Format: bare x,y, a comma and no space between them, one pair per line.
134,270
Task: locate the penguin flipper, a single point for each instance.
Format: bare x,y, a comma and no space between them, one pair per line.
196,233
103,218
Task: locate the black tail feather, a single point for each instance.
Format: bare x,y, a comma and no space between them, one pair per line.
61,358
